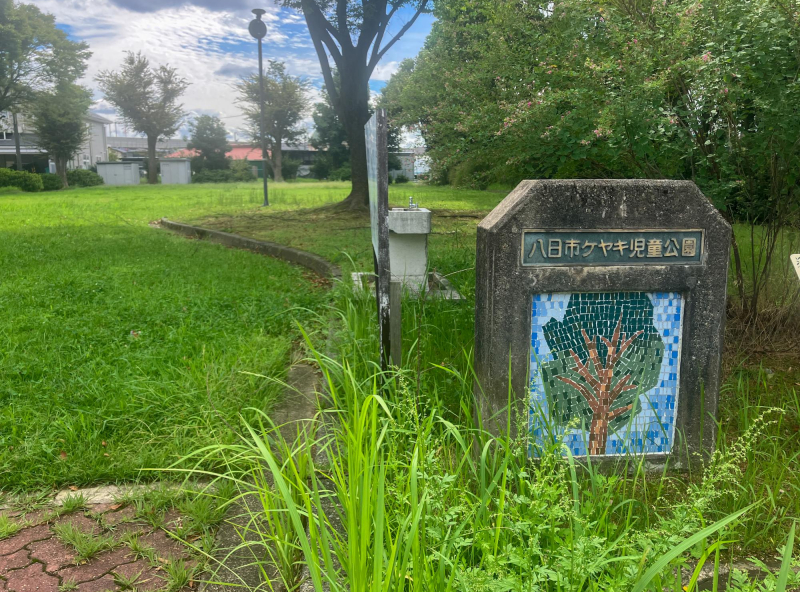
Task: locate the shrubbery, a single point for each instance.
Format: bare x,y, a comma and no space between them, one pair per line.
20,179
341,174
51,182
399,179
239,172
83,178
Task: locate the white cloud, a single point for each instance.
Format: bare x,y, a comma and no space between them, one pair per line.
209,46
385,70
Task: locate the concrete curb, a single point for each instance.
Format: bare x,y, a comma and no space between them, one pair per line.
315,263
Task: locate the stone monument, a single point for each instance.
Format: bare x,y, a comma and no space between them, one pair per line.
601,305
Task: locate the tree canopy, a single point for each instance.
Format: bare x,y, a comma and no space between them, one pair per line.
210,139
504,91
285,103
147,98
34,54
59,118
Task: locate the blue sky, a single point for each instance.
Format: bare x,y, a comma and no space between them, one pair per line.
208,42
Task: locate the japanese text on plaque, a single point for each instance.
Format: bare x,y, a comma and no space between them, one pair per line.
612,247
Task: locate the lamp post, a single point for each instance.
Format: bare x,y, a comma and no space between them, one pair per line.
258,29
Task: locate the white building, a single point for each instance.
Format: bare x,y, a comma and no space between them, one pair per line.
94,149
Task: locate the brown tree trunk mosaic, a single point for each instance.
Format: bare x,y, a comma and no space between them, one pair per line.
599,376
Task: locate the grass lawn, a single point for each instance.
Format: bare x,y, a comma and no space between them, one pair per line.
114,335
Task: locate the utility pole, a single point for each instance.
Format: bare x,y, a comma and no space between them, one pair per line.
16,142
258,29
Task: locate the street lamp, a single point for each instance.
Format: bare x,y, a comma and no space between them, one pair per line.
258,29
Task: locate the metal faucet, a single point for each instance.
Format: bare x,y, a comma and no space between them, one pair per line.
411,204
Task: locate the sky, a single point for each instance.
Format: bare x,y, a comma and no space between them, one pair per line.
208,42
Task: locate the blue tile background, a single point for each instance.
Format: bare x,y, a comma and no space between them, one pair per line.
652,430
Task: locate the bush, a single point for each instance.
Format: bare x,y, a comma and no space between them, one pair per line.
401,179
51,182
289,168
340,174
240,172
211,176
83,178
20,179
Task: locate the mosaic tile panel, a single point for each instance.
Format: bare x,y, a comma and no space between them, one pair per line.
604,371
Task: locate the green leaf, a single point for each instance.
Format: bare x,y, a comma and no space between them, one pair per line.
786,564
665,560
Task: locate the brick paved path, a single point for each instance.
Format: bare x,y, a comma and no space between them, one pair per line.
35,560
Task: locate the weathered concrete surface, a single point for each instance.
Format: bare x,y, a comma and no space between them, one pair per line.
504,288
308,260
241,555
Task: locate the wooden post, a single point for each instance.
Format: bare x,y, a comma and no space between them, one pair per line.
396,322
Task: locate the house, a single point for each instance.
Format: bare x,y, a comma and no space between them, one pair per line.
302,152
94,149
406,169
134,149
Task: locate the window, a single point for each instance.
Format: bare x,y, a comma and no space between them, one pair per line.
6,135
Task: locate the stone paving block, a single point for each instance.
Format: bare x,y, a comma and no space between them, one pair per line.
31,579
25,537
98,566
123,515
81,522
37,517
104,584
148,578
14,561
99,509
164,546
120,530
53,553
173,520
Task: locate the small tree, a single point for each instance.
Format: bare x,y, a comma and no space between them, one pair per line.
59,119
606,353
210,139
147,98
285,103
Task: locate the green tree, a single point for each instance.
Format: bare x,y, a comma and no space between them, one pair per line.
285,103
505,90
210,139
607,352
34,54
352,33
147,99
330,140
59,118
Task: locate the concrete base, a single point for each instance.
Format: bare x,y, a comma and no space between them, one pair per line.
438,286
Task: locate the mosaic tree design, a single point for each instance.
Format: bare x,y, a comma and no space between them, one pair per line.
606,352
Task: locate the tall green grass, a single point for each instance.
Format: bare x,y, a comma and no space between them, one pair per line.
398,490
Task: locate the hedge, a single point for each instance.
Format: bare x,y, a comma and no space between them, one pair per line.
83,178
20,179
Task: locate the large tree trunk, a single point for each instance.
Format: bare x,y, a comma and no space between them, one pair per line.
277,161
152,165
353,111
61,169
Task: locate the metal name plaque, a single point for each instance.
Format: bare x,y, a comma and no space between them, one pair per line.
596,248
